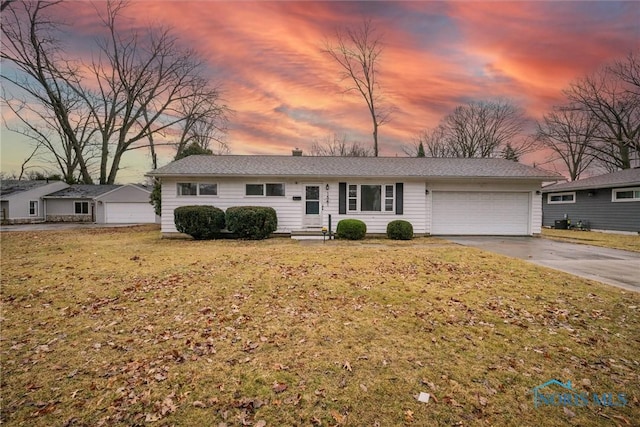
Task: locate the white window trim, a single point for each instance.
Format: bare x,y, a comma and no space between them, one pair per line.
561,202
37,207
264,189
76,202
383,199
615,199
197,184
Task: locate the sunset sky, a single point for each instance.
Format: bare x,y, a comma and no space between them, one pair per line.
286,93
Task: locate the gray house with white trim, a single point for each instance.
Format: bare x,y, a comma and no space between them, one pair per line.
101,204
609,202
438,196
22,201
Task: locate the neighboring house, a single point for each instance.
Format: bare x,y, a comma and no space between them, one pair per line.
22,201
609,202
101,204
437,196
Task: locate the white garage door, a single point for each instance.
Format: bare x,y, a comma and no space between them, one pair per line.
490,213
129,213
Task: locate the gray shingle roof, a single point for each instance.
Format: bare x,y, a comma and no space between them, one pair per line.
12,186
627,177
310,166
81,191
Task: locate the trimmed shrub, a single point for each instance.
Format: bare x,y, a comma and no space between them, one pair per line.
251,222
400,230
351,229
200,222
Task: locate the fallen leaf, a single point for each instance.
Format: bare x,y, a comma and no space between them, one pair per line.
199,404
260,423
568,412
347,366
408,415
279,387
338,417
363,387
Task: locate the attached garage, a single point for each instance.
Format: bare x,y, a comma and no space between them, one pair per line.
129,213
481,213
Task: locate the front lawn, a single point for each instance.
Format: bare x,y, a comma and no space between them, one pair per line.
120,327
626,242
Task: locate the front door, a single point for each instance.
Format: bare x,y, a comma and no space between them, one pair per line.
312,207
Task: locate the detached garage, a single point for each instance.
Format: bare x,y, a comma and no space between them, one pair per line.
481,212
103,204
128,204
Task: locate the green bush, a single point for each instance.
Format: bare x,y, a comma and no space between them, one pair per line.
251,222
400,230
200,222
351,229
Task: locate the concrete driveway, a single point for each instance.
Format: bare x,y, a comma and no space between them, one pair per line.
610,266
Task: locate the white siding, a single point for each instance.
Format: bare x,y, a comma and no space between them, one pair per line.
231,193
417,205
290,212
413,207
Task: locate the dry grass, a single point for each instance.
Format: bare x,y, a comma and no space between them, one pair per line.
608,240
120,327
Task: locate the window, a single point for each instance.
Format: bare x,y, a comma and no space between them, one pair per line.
353,197
197,189
81,208
558,198
388,198
33,208
187,189
254,190
626,194
275,190
207,189
270,190
372,198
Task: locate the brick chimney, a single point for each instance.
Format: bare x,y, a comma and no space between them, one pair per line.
296,152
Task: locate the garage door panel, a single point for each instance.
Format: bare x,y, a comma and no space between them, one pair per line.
489,213
129,213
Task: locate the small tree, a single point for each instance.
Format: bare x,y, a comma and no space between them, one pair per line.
421,152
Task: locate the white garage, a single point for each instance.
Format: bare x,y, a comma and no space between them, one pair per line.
129,213
479,212
127,204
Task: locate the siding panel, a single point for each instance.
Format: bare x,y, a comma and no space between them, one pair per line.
598,210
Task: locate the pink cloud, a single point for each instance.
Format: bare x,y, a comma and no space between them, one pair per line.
285,92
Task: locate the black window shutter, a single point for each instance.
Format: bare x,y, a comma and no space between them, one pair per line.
399,198
342,197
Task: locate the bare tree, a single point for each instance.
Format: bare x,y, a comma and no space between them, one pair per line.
29,41
612,98
569,133
338,146
479,129
205,119
482,129
132,96
357,51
